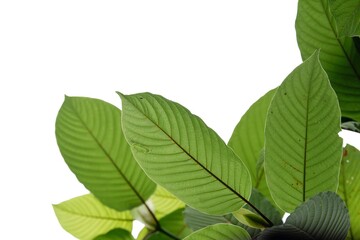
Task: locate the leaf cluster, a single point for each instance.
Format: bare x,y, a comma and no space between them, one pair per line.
156,162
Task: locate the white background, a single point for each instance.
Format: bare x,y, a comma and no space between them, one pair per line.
214,57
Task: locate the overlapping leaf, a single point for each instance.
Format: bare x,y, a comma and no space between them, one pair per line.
116,234
349,187
89,135
220,231
316,28
86,218
347,16
165,202
178,151
302,146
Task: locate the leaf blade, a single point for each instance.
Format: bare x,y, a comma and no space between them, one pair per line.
86,218
316,29
91,141
302,146
220,231
172,138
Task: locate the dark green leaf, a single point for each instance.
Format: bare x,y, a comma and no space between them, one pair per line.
89,135
284,232
347,17
178,151
316,29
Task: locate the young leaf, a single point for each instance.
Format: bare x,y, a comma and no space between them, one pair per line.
85,217
349,187
302,146
347,16
116,234
250,219
89,135
316,29
178,151
324,216
220,231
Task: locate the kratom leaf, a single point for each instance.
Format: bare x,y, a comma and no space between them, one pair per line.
220,231
89,135
347,17
286,231
250,219
323,216
247,139
86,218
316,29
165,202
179,152
116,234
349,187
351,126
302,146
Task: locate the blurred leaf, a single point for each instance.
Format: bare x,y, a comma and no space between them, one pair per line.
351,126
349,187
90,138
116,234
302,146
85,217
178,151
347,16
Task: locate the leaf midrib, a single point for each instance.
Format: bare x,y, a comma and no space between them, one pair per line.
193,158
108,155
338,40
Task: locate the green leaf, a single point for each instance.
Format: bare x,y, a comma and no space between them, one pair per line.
302,146
323,216
316,29
351,126
347,16
179,152
250,219
220,231
85,217
89,135
285,231
165,202
247,139
349,187
116,234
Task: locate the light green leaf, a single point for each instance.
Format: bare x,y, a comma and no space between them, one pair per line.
247,139
316,29
323,216
250,219
302,146
116,234
220,231
89,135
347,16
349,187
85,217
179,152
165,202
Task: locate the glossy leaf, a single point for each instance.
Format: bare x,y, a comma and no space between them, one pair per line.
89,135
116,234
316,29
179,152
85,217
347,17
220,231
302,146
324,216
349,187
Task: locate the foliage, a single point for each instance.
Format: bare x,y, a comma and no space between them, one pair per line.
158,163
